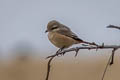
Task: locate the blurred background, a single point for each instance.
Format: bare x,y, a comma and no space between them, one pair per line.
24,45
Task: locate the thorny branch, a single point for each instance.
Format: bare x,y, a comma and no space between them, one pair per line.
110,62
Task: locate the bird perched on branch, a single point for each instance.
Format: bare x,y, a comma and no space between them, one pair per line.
62,36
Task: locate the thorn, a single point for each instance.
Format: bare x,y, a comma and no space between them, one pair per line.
96,49
77,49
111,63
103,44
63,53
89,48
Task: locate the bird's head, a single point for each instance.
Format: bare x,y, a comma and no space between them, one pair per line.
52,26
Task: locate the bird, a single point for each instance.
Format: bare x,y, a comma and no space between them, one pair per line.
62,36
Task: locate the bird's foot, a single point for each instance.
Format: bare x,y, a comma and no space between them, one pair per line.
59,52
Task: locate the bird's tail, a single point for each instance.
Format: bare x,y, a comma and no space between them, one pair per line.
82,41
89,43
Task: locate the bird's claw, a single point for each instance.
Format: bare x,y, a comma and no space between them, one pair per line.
60,53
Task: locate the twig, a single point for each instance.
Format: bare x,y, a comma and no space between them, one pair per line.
113,53
49,64
76,50
48,68
89,48
110,62
112,26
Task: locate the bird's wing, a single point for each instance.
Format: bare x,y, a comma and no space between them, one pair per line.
67,32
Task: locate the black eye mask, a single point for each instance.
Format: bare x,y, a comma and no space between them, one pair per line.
54,28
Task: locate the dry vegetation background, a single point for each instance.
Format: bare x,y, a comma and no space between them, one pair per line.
22,26
63,68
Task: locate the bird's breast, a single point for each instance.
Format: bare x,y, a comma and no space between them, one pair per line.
60,40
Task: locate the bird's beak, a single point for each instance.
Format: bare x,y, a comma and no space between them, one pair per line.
46,31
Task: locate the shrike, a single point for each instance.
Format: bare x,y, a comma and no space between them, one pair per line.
62,36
